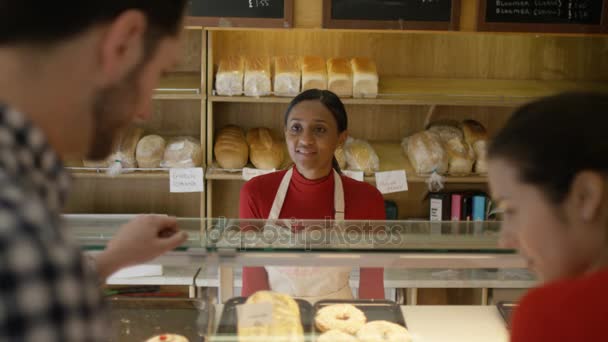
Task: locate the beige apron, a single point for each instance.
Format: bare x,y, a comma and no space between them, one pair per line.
310,283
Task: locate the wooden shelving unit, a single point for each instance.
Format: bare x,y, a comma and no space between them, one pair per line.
424,76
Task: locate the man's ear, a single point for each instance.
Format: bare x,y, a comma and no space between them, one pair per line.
121,46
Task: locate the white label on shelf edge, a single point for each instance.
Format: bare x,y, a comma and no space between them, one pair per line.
249,173
356,175
186,180
254,315
391,181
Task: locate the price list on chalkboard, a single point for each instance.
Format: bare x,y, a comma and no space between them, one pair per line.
403,14
237,8
545,11
241,13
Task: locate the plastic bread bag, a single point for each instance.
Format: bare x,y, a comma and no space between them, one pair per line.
435,182
182,152
360,156
123,156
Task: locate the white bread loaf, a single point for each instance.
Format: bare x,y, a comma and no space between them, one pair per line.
231,150
426,152
314,73
257,76
340,77
182,152
447,129
286,322
229,77
365,77
265,151
150,151
477,137
360,156
125,146
287,76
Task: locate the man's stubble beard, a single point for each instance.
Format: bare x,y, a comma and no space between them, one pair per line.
113,110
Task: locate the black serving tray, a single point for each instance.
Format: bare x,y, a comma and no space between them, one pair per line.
138,319
374,310
228,321
506,311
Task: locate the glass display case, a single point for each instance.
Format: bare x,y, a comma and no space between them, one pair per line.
445,249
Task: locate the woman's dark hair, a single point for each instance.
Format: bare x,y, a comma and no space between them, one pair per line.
553,139
43,23
332,102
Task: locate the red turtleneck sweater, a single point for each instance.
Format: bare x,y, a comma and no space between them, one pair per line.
567,310
308,199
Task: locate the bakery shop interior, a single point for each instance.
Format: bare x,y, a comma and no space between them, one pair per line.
353,171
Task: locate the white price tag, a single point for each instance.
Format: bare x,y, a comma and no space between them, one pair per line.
356,175
252,315
391,181
186,180
249,173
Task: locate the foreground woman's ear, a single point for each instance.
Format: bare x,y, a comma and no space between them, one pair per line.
587,195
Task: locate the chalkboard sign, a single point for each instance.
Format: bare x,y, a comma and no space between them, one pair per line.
392,14
582,16
240,13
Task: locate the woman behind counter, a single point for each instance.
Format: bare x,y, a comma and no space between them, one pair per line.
315,125
548,170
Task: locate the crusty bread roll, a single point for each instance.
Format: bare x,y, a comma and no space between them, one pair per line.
125,146
265,151
257,76
426,152
231,150
365,77
340,157
229,77
460,154
340,77
287,76
286,322
477,137
150,151
182,152
360,156
447,129
314,73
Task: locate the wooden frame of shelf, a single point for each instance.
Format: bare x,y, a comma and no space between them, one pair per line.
453,92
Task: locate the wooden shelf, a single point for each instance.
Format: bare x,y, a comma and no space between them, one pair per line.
391,158
101,173
464,92
179,86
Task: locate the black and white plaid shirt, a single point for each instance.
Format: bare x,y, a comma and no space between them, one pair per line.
47,290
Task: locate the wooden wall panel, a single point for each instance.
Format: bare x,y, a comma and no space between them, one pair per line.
432,54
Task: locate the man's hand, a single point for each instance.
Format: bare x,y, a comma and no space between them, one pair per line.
139,241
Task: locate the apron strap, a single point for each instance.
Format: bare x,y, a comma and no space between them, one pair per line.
338,197
279,199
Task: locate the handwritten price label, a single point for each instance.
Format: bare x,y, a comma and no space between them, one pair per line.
391,181
186,180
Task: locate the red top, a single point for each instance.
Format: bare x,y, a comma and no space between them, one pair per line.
567,310
308,199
